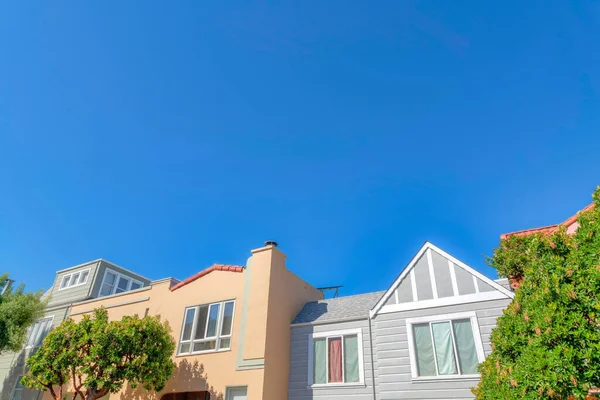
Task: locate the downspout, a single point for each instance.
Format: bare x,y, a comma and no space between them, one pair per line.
372,359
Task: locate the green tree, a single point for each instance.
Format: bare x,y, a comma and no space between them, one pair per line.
18,310
547,343
95,356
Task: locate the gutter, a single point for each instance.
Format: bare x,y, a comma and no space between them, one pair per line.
372,360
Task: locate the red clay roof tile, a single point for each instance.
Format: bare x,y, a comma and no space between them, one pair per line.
215,267
547,229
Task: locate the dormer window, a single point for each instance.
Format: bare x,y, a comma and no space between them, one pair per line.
74,279
115,283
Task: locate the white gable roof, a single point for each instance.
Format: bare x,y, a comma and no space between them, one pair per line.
434,278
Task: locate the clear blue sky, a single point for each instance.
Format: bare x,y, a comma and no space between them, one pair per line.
169,135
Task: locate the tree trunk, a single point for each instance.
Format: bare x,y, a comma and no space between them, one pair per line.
94,395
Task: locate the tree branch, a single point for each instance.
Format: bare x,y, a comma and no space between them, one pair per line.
101,393
76,387
51,389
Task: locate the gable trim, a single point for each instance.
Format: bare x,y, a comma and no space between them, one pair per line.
478,274
413,286
407,269
427,247
434,290
453,278
441,302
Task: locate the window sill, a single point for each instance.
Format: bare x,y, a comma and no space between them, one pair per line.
197,353
337,385
474,377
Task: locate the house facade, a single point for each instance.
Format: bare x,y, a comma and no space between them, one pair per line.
421,339
231,325
85,281
259,332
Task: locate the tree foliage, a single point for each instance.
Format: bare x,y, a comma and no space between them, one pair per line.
547,343
95,356
18,310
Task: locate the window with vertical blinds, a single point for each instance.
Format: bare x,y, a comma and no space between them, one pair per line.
445,347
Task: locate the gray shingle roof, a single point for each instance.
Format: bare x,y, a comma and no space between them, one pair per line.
338,309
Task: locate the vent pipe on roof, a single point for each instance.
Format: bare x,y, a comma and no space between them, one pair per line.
270,243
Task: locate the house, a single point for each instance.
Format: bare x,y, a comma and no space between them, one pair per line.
231,325
421,338
85,281
570,225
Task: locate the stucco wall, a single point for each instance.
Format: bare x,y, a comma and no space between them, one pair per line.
268,297
213,371
287,296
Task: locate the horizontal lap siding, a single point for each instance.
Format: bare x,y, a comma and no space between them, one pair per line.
73,294
298,380
393,360
12,364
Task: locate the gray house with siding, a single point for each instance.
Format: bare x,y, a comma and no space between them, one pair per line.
81,282
421,339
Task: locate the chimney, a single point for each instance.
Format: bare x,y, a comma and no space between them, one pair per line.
264,269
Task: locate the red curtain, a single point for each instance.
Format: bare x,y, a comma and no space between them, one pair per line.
335,360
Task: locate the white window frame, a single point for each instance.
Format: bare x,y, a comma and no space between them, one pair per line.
30,331
472,316
15,388
118,277
334,335
70,276
229,391
218,337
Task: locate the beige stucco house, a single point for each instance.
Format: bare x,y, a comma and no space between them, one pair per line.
221,319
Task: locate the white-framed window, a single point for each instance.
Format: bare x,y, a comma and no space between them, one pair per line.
17,392
336,358
445,346
114,283
207,328
74,279
38,332
236,393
